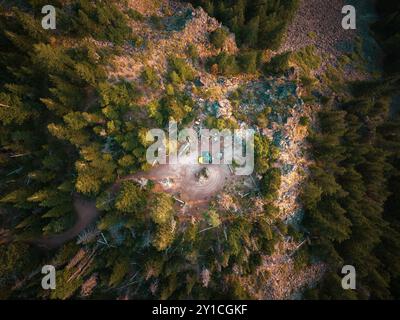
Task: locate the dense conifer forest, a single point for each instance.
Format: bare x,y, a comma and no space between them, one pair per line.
257,24
352,197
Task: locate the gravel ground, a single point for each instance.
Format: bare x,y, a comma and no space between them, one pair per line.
319,23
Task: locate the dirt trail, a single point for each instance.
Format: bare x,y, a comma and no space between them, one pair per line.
184,184
86,212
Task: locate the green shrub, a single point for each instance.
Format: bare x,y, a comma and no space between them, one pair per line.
218,38
312,35
307,59
270,183
150,78
248,61
227,64
193,52
307,82
135,15
181,69
304,121
278,64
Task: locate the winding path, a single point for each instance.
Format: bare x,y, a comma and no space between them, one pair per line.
184,184
86,213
